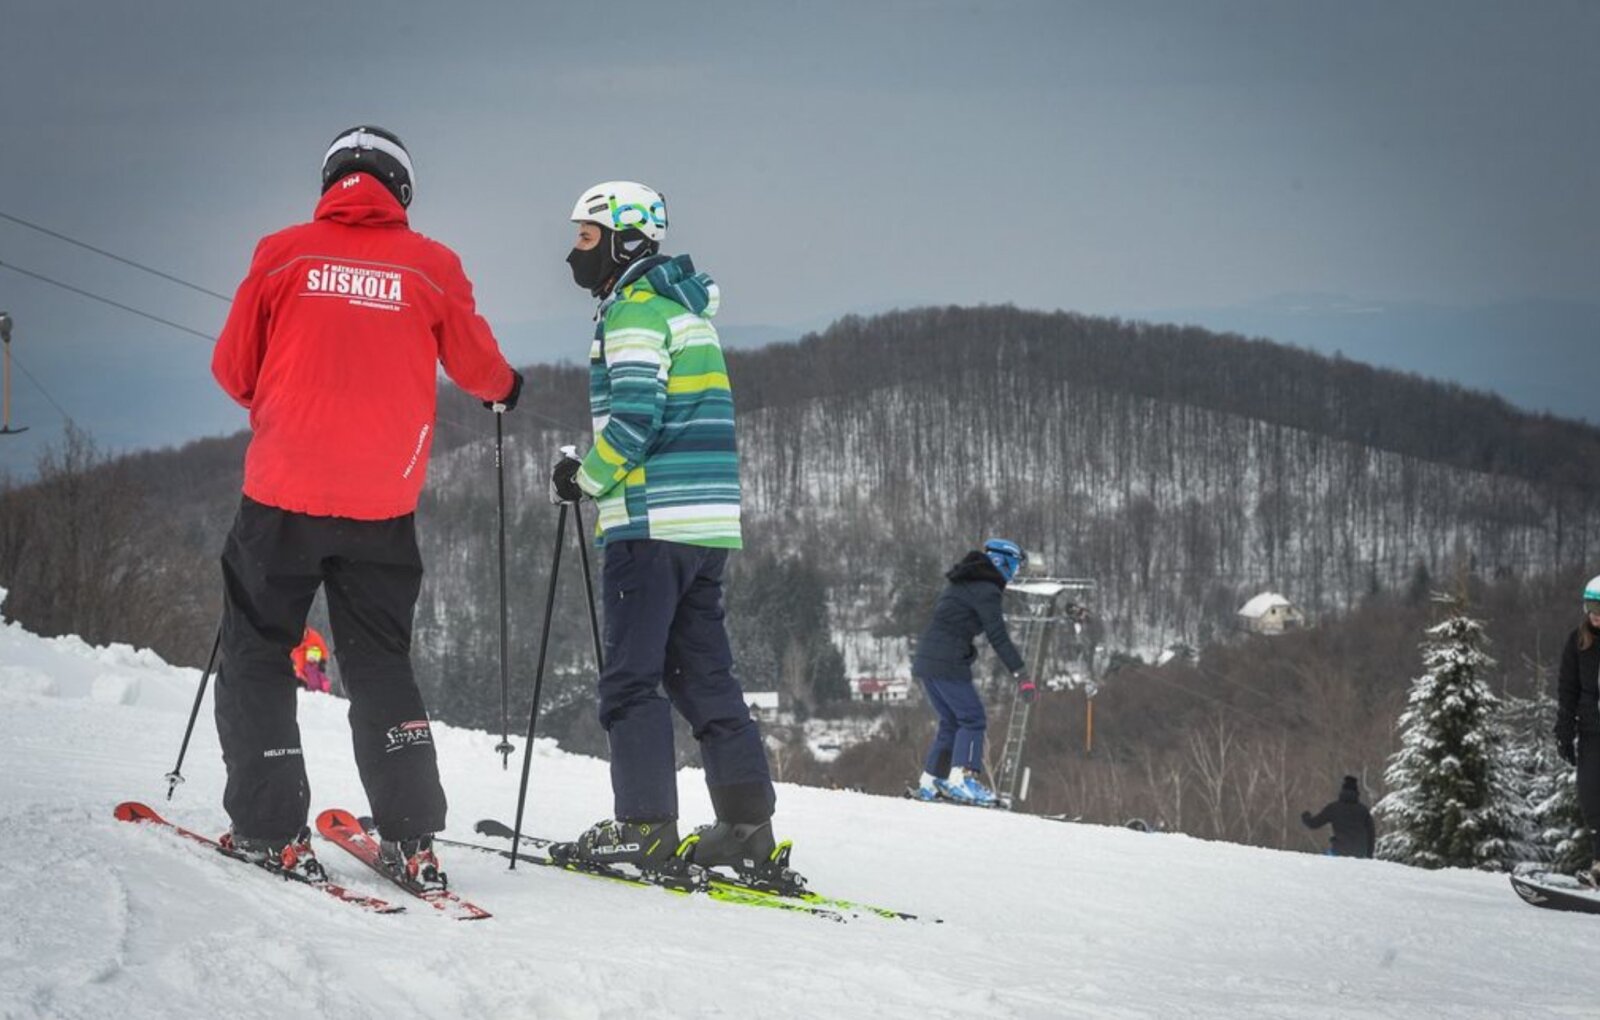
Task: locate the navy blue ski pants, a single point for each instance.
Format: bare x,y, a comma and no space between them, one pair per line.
962,723
664,631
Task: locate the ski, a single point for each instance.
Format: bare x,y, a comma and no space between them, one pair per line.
719,886
911,794
133,811
1556,892
341,828
536,851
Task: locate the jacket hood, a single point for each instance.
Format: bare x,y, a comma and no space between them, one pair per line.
361,200
975,566
674,278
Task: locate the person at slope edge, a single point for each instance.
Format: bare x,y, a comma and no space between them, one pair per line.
968,606
664,473
332,344
1353,834
1577,728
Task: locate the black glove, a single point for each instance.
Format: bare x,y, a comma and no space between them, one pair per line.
1305,819
564,481
508,401
1567,747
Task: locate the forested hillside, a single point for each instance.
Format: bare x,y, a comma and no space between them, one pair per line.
1180,470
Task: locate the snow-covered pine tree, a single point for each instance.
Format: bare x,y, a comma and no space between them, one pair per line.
1545,787
1448,804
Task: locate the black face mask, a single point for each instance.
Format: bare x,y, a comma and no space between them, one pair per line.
592,269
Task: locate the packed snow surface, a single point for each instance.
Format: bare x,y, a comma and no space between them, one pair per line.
1041,918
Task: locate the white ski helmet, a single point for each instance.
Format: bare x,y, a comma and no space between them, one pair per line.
1591,591
624,205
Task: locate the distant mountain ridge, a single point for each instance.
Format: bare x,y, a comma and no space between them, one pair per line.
1337,397
1182,469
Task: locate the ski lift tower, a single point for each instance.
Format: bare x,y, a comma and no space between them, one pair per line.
1036,606
5,379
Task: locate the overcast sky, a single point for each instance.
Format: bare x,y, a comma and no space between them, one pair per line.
1179,159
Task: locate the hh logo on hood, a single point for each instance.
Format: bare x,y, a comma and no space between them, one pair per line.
370,288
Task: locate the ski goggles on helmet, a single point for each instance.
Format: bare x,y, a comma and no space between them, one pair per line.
1591,606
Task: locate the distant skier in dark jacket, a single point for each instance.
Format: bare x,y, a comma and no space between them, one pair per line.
968,606
1353,835
1578,715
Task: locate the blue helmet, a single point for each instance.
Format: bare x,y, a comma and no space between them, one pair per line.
1006,555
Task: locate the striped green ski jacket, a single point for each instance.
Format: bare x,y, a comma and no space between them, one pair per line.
664,463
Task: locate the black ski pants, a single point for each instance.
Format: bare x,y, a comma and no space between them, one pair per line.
272,564
1589,787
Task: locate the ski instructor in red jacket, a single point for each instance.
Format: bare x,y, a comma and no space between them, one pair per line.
333,344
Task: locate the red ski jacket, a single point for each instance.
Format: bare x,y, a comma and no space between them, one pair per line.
333,344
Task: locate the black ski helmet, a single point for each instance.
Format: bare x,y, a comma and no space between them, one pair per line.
368,149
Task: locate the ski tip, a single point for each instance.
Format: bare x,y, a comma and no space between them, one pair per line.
133,811
337,818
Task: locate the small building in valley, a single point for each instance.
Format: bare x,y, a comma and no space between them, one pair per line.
890,689
1270,613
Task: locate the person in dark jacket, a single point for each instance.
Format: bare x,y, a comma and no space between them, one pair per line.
1353,835
1577,728
968,606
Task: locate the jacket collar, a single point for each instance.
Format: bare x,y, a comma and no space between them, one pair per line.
361,200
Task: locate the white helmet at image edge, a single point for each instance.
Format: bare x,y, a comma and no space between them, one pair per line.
1591,591
624,205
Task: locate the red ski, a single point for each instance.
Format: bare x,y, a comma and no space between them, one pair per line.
342,828
133,811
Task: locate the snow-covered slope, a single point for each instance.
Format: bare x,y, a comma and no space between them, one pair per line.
1042,919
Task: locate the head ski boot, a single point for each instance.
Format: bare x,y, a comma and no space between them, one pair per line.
748,848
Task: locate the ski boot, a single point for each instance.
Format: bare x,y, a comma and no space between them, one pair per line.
413,862
920,792
652,848
293,855
750,851
966,790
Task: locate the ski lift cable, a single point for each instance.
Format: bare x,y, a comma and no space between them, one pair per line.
117,258
40,387
105,300
208,337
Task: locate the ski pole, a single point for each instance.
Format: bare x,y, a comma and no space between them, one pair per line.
588,585
504,747
176,775
538,680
